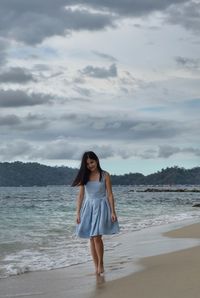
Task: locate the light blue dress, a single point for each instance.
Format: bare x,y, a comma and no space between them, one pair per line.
95,214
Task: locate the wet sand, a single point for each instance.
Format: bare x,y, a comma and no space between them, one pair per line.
170,275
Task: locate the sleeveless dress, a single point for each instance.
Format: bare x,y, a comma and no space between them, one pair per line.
95,214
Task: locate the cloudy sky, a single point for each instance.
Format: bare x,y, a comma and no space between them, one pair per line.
121,78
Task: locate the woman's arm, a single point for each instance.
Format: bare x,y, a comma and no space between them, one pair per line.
110,197
79,203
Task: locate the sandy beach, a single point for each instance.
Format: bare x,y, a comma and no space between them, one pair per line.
170,275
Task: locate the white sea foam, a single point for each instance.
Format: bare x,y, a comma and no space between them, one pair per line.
42,237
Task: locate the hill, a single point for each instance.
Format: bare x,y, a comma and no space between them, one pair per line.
169,176
29,174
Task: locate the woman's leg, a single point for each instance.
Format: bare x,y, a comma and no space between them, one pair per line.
99,248
93,253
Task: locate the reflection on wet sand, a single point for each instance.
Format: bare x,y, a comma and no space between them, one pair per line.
100,280
100,285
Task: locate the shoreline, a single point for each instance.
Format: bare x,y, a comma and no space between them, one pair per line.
161,189
174,275
129,259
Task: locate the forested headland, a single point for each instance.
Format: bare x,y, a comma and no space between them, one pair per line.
34,174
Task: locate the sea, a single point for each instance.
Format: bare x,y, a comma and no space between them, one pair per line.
37,224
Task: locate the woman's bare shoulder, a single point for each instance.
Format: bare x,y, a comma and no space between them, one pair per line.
106,175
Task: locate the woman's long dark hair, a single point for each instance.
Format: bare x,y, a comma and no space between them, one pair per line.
83,174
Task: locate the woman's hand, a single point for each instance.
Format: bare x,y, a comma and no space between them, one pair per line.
113,216
78,219
79,203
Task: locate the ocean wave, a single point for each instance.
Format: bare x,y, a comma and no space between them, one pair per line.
33,239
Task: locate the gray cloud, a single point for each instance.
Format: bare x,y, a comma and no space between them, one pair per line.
130,8
3,51
187,15
33,21
91,129
127,79
195,151
79,80
62,149
9,120
25,126
99,128
139,26
188,63
105,56
147,154
2,57
16,75
15,150
83,91
100,72
68,135
19,98
167,151
126,7
33,123
41,67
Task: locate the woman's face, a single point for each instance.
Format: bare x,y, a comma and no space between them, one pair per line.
91,165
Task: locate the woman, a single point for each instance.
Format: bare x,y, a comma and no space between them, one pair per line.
96,214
